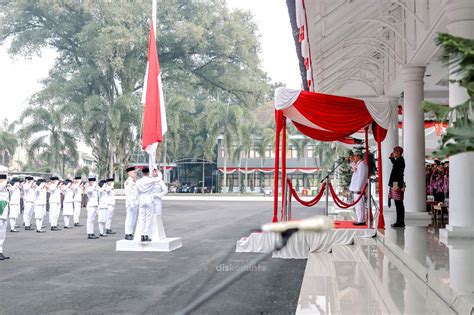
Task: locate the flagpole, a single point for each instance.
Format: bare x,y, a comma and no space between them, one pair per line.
152,158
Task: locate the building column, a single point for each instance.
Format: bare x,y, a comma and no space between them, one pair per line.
461,177
391,140
414,142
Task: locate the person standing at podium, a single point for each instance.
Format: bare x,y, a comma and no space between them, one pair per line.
358,181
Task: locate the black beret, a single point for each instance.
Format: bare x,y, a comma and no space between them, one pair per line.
78,177
3,176
146,170
130,168
102,182
54,178
28,178
110,180
92,179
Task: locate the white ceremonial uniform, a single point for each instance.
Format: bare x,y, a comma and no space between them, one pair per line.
4,214
103,205
159,192
110,207
29,198
146,187
15,196
92,204
40,205
68,205
358,181
54,204
131,204
77,201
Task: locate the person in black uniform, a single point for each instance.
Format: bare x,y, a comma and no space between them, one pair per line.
397,185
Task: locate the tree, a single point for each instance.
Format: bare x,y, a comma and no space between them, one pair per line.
8,141
204,49
48,136
458,53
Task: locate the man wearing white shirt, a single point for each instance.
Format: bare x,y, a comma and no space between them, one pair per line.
160,191
77,188
4,196
92,207
54,203
14,203
109,188
131,202
29,198
358,181
146,189
40,204
68,203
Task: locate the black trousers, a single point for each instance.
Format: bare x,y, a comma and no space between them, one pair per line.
400,212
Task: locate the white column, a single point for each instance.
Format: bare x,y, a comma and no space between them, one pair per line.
461,166
414,142
391,140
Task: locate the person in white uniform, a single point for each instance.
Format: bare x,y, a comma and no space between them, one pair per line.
40,204
103,206
146,187
15,196
358,181
160,191
4,197
68,203
29,198
54,203
131,202
109,188
78,189
92,193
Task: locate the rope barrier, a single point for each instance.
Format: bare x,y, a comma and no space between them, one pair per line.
341,204
310,203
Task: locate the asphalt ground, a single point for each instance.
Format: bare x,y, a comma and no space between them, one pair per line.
65,273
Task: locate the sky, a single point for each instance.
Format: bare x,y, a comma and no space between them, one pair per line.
20,77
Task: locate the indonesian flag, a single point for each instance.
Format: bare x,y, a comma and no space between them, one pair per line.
154,117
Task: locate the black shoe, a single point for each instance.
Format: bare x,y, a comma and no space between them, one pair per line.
102,235
143,238
78,225
396,225
28,228
3,257
130,236
92,237
67,227
110,232
14,231
359,223
40,231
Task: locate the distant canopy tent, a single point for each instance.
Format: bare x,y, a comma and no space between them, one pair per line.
327,118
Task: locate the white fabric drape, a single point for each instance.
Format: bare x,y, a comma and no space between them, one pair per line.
382,112
285,97
301,243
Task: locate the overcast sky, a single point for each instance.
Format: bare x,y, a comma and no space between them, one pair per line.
19,77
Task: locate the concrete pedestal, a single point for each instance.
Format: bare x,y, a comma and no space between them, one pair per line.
159,241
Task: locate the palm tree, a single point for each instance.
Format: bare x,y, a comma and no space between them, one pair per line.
8,140
49,136
222,119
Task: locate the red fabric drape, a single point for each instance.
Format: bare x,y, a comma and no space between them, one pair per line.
278,121
333,113
378,132
322,135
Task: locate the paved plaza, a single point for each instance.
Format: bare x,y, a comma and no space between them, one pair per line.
63,272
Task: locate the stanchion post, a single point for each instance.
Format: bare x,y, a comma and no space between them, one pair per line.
369,202
327,196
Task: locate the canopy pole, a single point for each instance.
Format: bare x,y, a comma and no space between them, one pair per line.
277,165
381,224
367,149
283,165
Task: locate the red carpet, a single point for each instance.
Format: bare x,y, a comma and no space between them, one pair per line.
348,225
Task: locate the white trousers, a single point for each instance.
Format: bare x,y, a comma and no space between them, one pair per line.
54,211
91,216
145,214
67,220
40,212
39,224
14,211
131,219
3,233
110,215
102,213
28,212
360,208
157,206
101,228
77,211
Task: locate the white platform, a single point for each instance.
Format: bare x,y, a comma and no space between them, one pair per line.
165,245
159,243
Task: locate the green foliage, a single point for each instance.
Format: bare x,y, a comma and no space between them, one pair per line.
458,54
8,142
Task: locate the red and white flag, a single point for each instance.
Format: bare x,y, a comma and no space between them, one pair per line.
154,116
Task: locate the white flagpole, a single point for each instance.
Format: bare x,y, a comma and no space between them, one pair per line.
152,157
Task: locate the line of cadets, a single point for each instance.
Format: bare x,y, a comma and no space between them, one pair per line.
35,201
143,199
